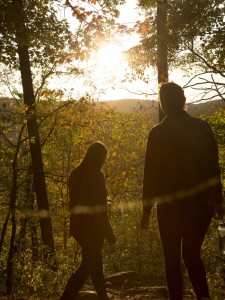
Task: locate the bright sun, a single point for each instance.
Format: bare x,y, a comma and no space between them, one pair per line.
109,56
108,68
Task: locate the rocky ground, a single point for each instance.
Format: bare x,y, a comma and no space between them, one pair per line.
127,285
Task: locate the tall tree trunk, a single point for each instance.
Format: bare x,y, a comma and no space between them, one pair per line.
162,63
33,134
35,149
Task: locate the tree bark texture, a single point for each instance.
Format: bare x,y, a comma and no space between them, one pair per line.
162,63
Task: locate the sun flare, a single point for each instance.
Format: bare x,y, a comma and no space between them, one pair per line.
108,67
109,56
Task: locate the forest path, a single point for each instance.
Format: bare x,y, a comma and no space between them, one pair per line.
129,286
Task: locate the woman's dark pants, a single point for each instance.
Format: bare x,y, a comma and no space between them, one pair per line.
91,264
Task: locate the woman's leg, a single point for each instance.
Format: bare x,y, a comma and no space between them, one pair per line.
96,268
92,263
77,279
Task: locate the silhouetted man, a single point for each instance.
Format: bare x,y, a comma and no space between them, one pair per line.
182,175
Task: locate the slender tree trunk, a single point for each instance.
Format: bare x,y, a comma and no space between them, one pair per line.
34,242
12,207
4,230
162,63
21,239
33,134
32,224
9,281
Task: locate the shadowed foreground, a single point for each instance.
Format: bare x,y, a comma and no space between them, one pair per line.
123,285
128,285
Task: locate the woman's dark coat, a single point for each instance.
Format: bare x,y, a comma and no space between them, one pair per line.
88,204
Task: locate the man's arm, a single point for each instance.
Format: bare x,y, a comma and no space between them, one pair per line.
151,181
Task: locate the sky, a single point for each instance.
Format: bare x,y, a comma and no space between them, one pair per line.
108,66
129,14
109,69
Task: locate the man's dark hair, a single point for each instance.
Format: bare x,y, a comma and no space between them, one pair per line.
172,98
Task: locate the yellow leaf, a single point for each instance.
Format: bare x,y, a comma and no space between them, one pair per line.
32,139
144,27
82,56
147,20
76,12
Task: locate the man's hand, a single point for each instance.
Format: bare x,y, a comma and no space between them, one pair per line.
219,211
144,221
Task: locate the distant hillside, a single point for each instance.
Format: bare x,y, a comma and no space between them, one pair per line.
150,107
147,107
205,107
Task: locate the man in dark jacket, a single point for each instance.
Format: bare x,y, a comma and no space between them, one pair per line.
182,175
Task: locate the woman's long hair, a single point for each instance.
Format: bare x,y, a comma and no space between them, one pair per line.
89,166
94,157
82,181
